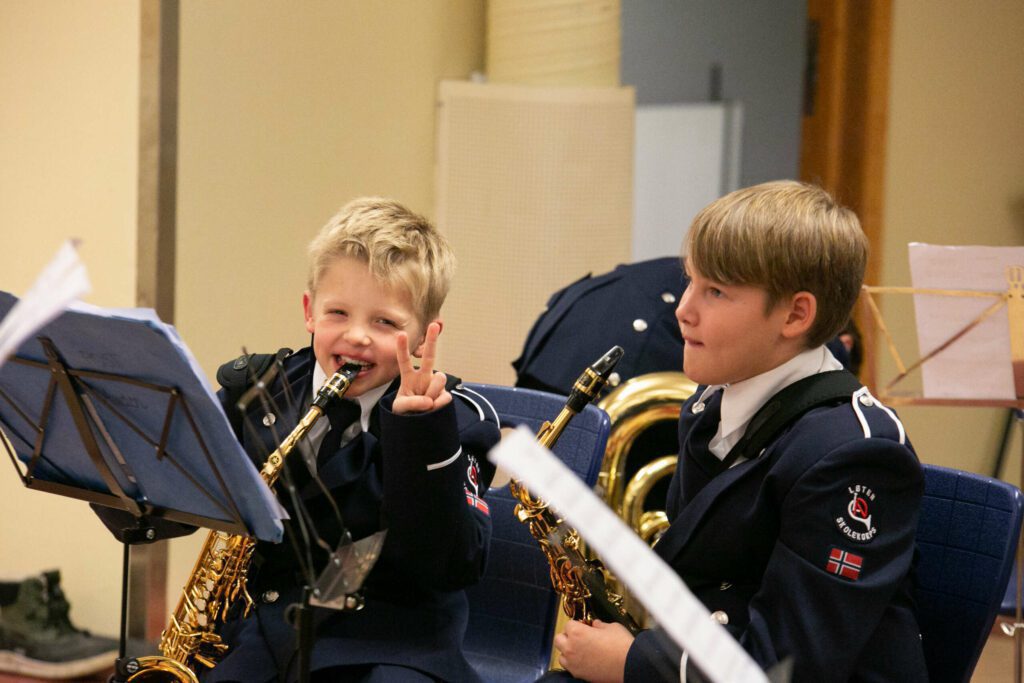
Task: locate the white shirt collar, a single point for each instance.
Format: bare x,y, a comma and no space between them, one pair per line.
740,401
367,400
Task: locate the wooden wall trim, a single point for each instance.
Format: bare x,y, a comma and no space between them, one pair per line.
155,250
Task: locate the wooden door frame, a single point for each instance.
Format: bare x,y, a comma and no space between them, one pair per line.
844,121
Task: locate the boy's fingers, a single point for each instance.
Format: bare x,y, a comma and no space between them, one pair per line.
402,354
436,386
430,347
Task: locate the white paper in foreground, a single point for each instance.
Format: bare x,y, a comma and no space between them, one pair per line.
62,281
651,581
978,365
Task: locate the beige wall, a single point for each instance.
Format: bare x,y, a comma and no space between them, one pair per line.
68,135
954,175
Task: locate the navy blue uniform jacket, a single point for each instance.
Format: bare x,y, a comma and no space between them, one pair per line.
807,549
416,610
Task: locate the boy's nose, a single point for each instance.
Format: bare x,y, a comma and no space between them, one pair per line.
684,311
357,336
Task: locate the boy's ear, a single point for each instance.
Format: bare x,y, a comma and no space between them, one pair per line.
418,353
307,311
801,313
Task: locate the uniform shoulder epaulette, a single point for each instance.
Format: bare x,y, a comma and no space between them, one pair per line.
452,382
238,375
240,372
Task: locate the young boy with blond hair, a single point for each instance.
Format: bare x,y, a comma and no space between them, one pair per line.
795,502
408,458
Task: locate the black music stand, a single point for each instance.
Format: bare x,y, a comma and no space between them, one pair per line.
110,407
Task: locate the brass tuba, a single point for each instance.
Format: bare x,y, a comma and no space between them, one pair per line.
219,578
637,408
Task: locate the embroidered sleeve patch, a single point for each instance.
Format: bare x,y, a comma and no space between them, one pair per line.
473,498
854,520
478,503
844,564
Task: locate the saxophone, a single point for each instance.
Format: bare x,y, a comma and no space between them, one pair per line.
219,578
580,581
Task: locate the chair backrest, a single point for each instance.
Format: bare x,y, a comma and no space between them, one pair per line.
967,538
512,611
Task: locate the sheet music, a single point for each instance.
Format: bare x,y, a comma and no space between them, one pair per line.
201,454
651,581
978,365
61,282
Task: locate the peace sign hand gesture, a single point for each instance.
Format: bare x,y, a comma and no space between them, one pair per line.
421,389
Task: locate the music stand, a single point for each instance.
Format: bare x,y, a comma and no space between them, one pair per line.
996,299
110,407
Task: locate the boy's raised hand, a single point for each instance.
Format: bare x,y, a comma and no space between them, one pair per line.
421,389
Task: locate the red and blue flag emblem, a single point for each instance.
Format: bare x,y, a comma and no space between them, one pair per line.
844,564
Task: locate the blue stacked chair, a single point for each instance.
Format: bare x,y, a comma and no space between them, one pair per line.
513,609
967,540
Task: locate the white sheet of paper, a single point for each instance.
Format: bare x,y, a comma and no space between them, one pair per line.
651,581
976,366
61,282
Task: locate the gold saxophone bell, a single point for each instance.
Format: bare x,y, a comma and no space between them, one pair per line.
220,576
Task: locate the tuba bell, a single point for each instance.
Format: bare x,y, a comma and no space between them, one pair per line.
641,457
644,413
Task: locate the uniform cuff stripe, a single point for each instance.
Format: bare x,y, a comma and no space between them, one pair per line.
445,463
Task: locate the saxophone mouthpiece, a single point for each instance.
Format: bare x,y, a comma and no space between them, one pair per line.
350,370
337,385
606,363
593,379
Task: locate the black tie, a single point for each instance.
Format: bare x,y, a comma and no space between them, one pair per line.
341,414
700,464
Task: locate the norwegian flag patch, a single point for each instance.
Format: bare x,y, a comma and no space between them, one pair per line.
477,502
844,564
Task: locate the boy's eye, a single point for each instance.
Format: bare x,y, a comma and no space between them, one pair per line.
387,322
715,292
337,311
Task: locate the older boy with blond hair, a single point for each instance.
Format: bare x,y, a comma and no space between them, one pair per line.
799,538
404,452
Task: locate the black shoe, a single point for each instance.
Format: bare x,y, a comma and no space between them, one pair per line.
38,639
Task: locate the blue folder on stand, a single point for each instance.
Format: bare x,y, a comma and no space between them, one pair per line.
109,406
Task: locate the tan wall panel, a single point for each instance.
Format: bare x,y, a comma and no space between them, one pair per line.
553,42
287,111
68,155
953,176
535,189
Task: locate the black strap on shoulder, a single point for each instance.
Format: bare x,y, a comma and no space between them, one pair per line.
785,407
238,375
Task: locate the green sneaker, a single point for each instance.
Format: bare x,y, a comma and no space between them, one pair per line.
38,639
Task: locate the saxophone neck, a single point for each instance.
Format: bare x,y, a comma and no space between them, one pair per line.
333,389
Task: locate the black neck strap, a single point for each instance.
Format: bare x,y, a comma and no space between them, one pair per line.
785,407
